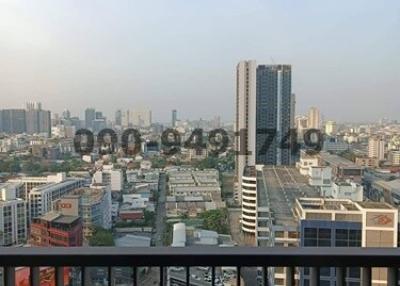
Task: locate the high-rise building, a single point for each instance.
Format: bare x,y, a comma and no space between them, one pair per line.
330,128
90,116
118,117
174,117
13,121
264,104
13,223
141,117
376,147
55,229
314,118
37,119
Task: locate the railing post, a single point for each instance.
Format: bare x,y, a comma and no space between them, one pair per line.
392,276
187,275
35,276
238,281
212,276
161,276
59,276
110,276
134,276
265,270
290,276
340,276
9,276
314,276
366,277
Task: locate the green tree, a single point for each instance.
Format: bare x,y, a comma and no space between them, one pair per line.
101,237
216,220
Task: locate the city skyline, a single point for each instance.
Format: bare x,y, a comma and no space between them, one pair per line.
76,57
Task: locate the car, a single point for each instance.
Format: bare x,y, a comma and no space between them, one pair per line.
195,277
176,269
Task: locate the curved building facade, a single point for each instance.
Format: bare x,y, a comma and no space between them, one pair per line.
249,200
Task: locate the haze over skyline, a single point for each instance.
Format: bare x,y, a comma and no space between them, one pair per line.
182,54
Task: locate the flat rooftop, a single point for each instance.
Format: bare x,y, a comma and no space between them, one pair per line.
278,188
336,160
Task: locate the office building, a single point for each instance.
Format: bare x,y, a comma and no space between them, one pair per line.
90,116
92,204
314,118
118,117
174,118
13,223
344,223
376,147
37,120
13,121
141,117
264,101
28,183
41,199
55,229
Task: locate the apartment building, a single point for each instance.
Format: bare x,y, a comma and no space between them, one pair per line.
13,228
42,198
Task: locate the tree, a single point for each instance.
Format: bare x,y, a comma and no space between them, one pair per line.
101,237
216,220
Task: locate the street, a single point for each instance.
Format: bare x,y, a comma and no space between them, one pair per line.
158,234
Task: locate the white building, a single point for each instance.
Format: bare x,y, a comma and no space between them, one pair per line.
347,190
306,162
111,176
321,177
42,198
179,235
13,222
330,128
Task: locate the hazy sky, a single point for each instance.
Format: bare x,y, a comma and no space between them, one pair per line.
182,54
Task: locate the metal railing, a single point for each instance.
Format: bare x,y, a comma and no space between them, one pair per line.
161,257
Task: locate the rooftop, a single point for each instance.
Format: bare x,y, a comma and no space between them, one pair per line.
278,188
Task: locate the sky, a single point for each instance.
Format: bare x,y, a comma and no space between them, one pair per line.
182,54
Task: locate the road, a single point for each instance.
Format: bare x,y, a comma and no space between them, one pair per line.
161,213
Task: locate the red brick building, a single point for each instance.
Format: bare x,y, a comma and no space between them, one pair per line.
54,229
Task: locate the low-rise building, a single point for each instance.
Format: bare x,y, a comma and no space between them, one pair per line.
92,204
55,229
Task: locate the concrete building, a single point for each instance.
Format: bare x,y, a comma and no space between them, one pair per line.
92,204
111,176
394,157
264,101
41,199
278,187
174,118
13,222
330,128
13,121
347,190
314,118
387,191
376,147
38,121
249,199
54,229
343,223
341,168
31,182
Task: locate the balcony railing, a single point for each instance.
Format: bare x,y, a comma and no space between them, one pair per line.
239,257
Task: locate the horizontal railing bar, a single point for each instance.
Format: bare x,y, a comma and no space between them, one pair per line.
200,256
